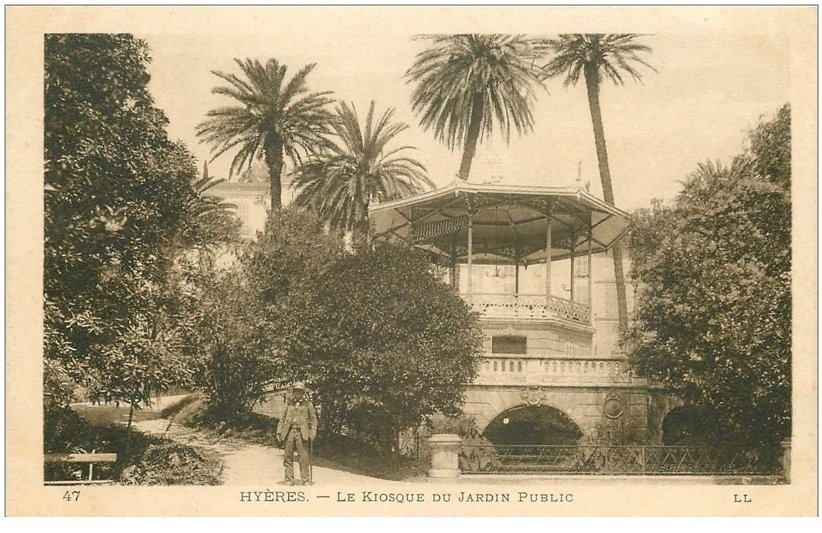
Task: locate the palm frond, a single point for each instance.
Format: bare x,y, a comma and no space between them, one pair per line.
272,109
611,55
358,167
500,68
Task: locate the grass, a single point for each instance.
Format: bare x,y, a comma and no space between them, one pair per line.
180,406
107,414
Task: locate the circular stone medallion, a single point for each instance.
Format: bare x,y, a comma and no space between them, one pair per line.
612,408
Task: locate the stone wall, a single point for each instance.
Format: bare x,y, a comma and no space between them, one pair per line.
544,339
660,403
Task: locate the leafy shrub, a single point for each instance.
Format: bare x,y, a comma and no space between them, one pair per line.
476,452
382,341
169,463
462,425
233,346
152,460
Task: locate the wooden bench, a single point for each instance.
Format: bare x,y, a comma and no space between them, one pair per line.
90,458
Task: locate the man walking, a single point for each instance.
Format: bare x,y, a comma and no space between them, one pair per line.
297,427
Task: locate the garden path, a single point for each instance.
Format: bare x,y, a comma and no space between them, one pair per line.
246,464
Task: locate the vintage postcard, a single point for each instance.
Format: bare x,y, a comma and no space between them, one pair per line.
411,261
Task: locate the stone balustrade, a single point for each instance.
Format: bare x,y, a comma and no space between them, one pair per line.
507,370
529,306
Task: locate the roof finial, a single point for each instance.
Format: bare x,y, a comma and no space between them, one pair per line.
579,175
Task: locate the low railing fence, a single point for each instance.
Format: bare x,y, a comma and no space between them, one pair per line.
615,460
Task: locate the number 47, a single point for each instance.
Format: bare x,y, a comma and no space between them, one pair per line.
71,495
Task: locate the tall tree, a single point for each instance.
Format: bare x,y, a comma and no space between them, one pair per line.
713,316
597,57
276,118
358,168
117,193
466,83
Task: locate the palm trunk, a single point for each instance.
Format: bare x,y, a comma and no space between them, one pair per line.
472,136
592,83
274,160
365,225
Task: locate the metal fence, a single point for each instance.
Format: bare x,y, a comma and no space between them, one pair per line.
615,460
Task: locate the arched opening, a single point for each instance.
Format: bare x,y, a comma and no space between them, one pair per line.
686,426
532,425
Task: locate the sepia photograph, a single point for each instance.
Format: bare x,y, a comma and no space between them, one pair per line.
411,261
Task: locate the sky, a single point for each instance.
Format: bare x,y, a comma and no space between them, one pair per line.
707,92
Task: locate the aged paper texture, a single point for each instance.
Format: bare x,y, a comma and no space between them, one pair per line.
717,72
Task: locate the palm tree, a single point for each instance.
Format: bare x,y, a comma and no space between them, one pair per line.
596,57
276,118
212,221
465,83
209,222
357,168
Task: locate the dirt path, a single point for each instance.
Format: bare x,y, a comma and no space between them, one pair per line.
246,464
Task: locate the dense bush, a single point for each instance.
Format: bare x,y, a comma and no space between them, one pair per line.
289,256
116,194
233,344
713,317
382,341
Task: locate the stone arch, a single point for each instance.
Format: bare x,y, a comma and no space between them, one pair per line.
533,424
485,404
660,404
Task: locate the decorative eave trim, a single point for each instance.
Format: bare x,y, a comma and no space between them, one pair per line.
456,189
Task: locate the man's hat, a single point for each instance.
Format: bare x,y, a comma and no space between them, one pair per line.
298,386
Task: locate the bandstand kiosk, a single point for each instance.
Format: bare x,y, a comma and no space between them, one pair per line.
540,382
